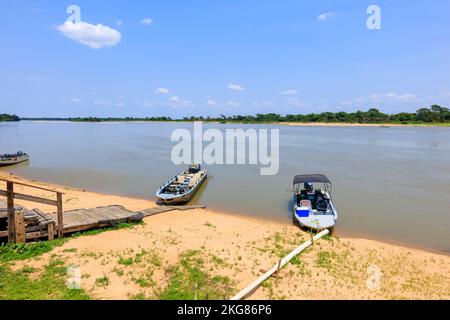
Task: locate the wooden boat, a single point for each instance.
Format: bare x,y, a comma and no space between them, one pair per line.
182,187
10,159
313,207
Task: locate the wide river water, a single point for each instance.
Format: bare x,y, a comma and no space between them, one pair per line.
390,183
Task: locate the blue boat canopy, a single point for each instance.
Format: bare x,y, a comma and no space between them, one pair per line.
312,178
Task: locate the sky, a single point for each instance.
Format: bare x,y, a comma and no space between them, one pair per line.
206,58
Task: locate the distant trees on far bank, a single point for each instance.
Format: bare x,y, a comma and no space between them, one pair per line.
9,117
434,114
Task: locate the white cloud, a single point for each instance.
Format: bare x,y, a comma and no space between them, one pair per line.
212,103
144,103
147,21
94,36
102,102
75,100
325,16
381,98
232,104
235,87
295,102
119,23
162,91
403,97
175,101
289,93
117,103
262,104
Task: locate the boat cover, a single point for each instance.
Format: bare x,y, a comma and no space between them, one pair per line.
312,178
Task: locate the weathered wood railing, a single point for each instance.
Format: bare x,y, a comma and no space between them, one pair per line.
16,226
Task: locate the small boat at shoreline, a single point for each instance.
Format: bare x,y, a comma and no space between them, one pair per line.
11,159
313,207
182,187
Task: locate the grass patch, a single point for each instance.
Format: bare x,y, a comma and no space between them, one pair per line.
189,280
99,231
103,281
28,270
327,237
139,296
51,285
210,225
145,282
23,251
119,272
126,261
324,259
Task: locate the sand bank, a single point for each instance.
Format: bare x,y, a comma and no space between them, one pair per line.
217,254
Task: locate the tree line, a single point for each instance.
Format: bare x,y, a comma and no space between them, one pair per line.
9,117
434,114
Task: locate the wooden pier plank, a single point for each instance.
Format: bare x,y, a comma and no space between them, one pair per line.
87,219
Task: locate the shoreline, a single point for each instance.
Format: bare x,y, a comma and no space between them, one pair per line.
287,124
233,247
223,211
343,124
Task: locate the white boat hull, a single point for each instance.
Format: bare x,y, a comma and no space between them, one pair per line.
179,198
13,160
317,220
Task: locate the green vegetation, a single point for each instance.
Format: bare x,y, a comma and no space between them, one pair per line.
436,115
125,261
189,280
22,251
9,117
152,257
103,281
98,231
324,259
109,119
50,285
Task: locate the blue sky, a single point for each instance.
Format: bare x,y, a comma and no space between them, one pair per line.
204,57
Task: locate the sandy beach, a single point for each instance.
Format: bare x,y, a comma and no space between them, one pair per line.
168,255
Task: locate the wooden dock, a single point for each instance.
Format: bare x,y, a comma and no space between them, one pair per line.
101,217
39,225
163,209
19,224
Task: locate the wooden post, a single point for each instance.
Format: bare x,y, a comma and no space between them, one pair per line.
60,215
20,227
51,232
11,212
279,266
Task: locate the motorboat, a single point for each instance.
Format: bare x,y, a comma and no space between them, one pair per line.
11,159
313,205
182,187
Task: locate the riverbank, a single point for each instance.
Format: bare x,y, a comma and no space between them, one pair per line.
176,254
300,124
343,124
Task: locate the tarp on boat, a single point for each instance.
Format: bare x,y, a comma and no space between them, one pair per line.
312,178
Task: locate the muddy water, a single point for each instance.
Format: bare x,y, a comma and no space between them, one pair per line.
389,183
